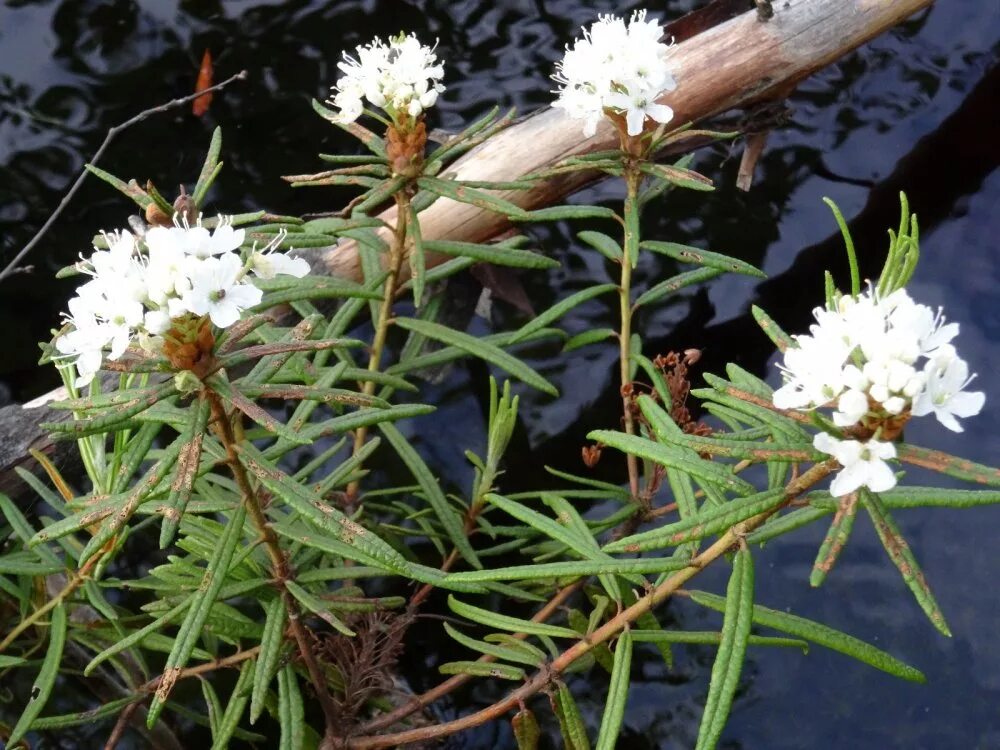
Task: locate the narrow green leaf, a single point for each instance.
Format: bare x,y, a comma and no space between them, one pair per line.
449,518
91,716
836,538
312,507
732,651
497,254
709,521
138,636
232,396
270,652
371,141
498,651
191,629
570,568
188,461
953,466
130,189
852,256
209,169
822,635
139,494
672,457
688,254
571,724
46,679
774,332
506,622
902,557
115,417
676,283
712,638
230,719
614,707
526,730
417,258
561,308
684,178
472,196
585,338
559,213
479,348
318,607
483,669
291,711
602,243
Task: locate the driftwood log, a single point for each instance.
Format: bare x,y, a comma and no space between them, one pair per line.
727,56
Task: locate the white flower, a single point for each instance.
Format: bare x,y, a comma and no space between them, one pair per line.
616,66
945,394
216,290
266,263
864,464
637,105
401,77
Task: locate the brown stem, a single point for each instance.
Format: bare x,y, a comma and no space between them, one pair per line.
279,563
606,632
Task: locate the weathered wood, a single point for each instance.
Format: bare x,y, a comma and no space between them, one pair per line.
739,62
736,63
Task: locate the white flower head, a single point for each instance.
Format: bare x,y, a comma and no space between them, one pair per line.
616,66
402,77
865,357
864,464
140,285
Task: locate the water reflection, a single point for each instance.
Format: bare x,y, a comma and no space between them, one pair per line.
69,69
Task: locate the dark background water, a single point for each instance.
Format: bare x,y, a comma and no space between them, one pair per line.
917,109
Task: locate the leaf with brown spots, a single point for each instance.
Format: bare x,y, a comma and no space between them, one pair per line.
836,538
902,557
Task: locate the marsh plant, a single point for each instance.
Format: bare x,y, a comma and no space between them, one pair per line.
230,406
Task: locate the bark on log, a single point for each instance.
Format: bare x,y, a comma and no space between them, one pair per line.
737,62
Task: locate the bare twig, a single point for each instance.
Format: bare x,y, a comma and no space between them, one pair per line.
11,267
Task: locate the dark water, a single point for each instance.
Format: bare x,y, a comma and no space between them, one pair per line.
916,110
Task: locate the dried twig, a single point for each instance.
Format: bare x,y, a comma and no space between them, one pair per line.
11,267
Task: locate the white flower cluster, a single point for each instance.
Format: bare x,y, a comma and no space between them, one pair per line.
400,77
874,359
617,66
139,285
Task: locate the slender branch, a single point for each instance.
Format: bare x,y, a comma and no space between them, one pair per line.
631,251
279,562
397,254
112,133
606,632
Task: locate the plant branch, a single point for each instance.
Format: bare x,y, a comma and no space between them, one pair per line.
397,254
279,563
606,632
112,133
630,247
